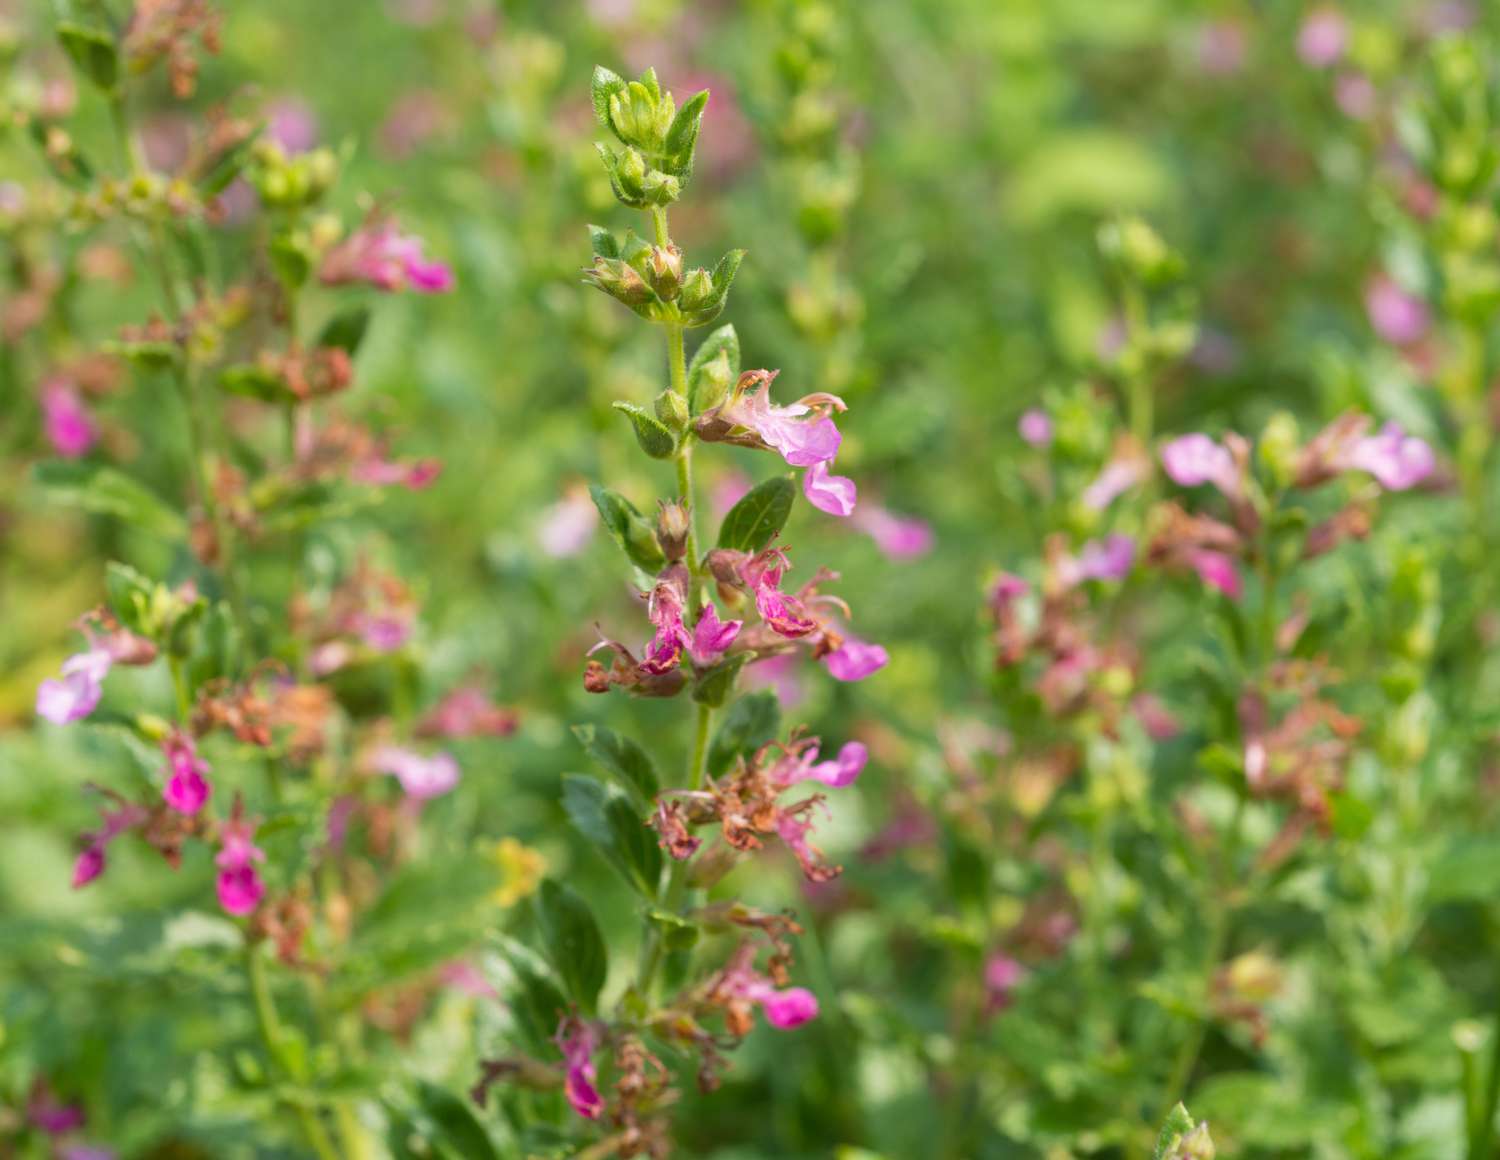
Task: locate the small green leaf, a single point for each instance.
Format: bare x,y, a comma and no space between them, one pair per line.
103,490
605,84
749,723
622,757
682,136
455,1119
715,685
92,51
653,436
530,990
603,242
227,166
753,522
606,818
632,531
707,374
128,594
573,943
346,330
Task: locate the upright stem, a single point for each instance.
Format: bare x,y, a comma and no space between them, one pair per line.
270,1033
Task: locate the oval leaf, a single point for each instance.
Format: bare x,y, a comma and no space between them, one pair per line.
759,516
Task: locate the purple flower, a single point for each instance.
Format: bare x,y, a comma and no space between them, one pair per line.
834,494
800,431
70,429
1002,974
788,1008
855,659
711,636
1007,589
89,865
91,861
1108,559
898,537
187,788
1217,570
1397,460
46,1113
1193,460
842,771
291,123
379,255
1323,37
785,614
239,884
1119,475
578,1040
1398,317
385,631
1036,427
77,693
421,776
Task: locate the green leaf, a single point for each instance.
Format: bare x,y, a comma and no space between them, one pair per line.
455,1119
651,433
715,366
761,513
629,528
1178,1125
529,989
346,329
715,685
682,135
572,941
227,166
603,242
750,722
98,488
606,818
92,51
128,594
605,84
622,757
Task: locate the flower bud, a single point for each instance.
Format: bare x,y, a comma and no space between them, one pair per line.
672,410
664,269
661,188
672,524
697,289
1278,449
619,280
630,172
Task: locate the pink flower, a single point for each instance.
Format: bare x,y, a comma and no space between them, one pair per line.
780,672
855,659
728,490
1193,460
836,774
711,636
1007,589
422,777
379,255
1397,461
568,525
1355,95
1002,974
578,1040
1108,559
91,861
1221,47
787,1009
46,1113
784,613
412,474
70,429
468,711
898,537
1036,428
385,631
187,789
1118,476
239,884
77,694
1217,570
291,123
1398,317
834,494
465,977
1323,37
800,431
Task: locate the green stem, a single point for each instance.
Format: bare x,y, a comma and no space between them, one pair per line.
1482,1145
659,221
180,690
270,1033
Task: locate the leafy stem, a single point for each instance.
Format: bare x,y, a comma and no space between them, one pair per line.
269,1025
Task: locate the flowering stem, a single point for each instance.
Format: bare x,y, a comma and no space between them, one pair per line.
270,1033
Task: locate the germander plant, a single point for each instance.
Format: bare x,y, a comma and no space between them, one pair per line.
705,965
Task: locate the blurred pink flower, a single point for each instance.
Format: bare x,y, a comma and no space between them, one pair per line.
1036,427
187,788
70,429
1323,37
421,776
1217,570
1355,96
239,884
728,489
781,673
803,765
1221,47
1128,468
578,1039
1398,317
855,659
1193,460
898,537
787,1008
1398,461
1002,974
567,525
379,255
77,693
91,861
1108,559
291,123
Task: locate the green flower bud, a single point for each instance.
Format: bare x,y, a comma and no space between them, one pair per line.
619,280
1278,449
697,289
672,410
